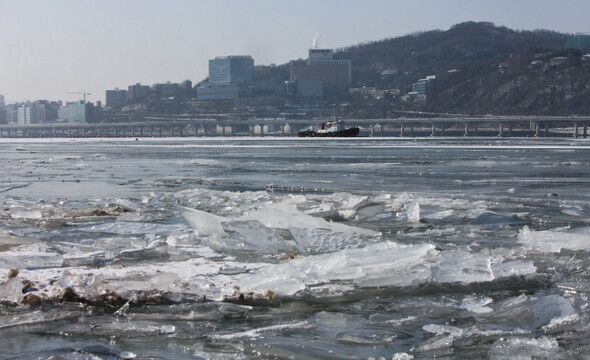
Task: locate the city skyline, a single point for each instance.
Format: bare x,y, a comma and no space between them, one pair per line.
77,46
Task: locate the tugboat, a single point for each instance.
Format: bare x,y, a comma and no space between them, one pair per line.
331,129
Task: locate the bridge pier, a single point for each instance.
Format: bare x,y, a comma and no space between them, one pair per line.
226,130
433,131
466,132
585,131
575,130
401,130
500,130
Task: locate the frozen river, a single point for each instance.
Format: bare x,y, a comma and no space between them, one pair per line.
239,248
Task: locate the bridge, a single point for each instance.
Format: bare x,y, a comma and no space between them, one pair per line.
185,126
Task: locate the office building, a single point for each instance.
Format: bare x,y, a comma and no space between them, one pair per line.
137,92
11,114
229,78
166,90
579,41
2,104
116,98
63,114
28,114
334,75
80,112
425,86
231,70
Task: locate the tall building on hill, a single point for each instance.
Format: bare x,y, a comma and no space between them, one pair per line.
137,92
425,86
231,70
321,74
579,41
2,104
229,77
116,98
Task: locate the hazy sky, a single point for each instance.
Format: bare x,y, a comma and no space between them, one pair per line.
49,48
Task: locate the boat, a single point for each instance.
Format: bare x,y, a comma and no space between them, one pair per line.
330,129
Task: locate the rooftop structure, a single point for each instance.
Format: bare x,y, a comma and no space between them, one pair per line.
321,54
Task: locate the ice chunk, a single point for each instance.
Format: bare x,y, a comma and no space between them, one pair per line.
259,237
413,212
285,215
551,308
12,290
37,255
8,240
256,332
443,329
494,219
438,342
555,240
204,223
382,264
477,305
524,348
318,241
511,268
402,356
533,312
371,210
26,214
463,267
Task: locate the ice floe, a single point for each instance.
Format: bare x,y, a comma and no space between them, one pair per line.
555,240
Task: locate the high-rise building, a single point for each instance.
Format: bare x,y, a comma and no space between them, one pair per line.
425,86
63,114
229,77
234,69
80,112
138,92
116,98
29,114
334,75
166,90
579,41
3,111
12,114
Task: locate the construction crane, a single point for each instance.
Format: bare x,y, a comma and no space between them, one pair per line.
80,93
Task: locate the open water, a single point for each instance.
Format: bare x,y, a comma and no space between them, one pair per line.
243,248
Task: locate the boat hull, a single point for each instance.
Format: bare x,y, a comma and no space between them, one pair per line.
350,132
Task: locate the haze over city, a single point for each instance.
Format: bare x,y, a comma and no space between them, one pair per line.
52,48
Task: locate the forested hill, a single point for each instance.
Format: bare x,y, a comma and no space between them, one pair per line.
480,68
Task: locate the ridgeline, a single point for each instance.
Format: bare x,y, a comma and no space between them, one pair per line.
480,69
